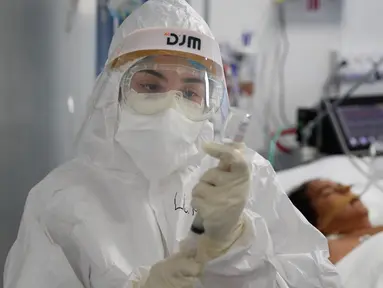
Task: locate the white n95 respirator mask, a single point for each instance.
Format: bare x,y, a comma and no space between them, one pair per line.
162,142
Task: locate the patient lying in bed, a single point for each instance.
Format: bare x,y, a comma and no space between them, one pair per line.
337,213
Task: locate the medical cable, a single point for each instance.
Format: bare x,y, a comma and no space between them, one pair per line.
330,79
278,64
285,43
266,59
279,51
270,119
275,144
288,131
197,225
272,147
280,146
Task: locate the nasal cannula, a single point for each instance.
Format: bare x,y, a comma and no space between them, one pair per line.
197,226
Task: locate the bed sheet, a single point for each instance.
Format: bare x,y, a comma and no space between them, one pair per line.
363,267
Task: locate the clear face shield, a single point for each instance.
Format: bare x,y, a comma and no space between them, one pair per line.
157,83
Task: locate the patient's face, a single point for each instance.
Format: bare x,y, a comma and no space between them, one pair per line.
339,210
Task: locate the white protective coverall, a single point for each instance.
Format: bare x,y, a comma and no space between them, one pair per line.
99,221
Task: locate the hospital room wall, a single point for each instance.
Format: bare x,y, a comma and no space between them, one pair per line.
41,66
25,98
76,70
341,25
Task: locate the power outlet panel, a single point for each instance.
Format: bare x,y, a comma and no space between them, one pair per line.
357,65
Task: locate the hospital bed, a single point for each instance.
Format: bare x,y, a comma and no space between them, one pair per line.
363,267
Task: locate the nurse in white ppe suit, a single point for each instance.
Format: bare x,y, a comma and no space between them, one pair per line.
119,215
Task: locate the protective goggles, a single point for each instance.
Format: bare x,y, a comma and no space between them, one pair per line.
149,87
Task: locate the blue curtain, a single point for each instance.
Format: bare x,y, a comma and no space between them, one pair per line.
104,34
105,31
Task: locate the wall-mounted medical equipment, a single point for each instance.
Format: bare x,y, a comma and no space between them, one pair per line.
360,120
311,5
310,120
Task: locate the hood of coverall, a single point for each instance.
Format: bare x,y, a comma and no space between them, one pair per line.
97,137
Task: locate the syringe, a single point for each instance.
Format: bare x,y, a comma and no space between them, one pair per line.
197,226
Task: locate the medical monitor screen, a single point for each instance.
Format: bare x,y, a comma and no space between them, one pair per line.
361,124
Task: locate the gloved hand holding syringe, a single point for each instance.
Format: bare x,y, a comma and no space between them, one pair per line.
221,195
234,141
